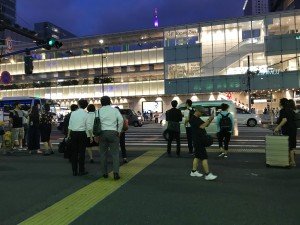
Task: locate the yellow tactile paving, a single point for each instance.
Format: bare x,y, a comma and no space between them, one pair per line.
74,205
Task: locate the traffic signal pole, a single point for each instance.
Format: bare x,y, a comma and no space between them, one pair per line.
22,51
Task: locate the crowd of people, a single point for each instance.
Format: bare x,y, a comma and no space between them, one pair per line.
81,135
198,139
29,128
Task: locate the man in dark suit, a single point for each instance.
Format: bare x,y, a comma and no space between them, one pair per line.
174,116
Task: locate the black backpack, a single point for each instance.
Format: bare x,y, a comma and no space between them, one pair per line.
225,123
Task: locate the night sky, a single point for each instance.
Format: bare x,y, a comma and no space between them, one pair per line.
90,17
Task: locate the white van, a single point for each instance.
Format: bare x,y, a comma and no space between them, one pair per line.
210,107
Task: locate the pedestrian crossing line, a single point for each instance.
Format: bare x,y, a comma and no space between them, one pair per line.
71,207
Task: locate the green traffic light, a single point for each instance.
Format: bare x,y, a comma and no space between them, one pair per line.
51,42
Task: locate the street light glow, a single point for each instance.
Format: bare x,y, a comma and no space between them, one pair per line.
101,41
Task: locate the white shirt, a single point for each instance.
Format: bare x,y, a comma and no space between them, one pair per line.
78,120
110,118
90,122
186,115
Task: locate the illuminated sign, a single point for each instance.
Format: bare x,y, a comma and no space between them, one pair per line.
262,70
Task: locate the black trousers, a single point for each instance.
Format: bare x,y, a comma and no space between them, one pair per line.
33,138
224,137
78,145
189,137
122,145
172,135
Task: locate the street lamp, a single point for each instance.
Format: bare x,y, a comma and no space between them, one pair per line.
249,75
102,74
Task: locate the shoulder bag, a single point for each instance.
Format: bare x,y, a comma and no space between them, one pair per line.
97,125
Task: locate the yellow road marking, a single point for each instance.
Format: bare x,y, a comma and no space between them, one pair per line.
68,209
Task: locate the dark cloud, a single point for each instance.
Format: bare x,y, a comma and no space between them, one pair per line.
91,17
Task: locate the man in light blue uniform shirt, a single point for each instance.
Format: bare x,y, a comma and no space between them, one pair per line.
111,125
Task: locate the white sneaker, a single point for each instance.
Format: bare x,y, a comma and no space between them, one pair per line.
196,174
222,154
210,176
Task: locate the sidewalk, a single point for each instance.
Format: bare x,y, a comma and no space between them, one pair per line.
246,192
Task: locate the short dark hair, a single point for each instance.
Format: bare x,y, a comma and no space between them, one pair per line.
224,106
174,103
189,102
91,108
284,102
291,104
73,107
82,103
16,103
105,100
47,108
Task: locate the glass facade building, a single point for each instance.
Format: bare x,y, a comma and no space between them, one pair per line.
203,58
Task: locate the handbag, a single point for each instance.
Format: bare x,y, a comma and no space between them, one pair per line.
97,125
208,140
62,146
173,126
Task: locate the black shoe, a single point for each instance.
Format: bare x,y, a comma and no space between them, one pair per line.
125,161
51,152
75,173
116,176
105,175
91,161
83,173
46,153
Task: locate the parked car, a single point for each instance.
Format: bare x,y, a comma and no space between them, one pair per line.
133,118
247,118
210,107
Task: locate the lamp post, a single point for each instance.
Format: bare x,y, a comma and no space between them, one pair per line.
102,73
249,74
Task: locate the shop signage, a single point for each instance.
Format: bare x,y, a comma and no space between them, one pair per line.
182,33
262,70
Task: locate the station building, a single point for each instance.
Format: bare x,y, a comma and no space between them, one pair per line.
202,61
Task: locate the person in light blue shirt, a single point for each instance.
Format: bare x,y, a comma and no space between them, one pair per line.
225,124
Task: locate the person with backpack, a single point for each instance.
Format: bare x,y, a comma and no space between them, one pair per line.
34,135
187,114
90,139
46,128
224,122
122,136
16,119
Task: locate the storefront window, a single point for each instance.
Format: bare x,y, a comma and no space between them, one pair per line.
273,25
218,36
169,38
289,62
288,25
297,21
181,37
193,36
206,39
231,35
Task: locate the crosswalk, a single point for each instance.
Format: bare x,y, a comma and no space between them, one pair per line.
151,135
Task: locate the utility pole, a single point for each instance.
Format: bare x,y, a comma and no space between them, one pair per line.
102,73
249,83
